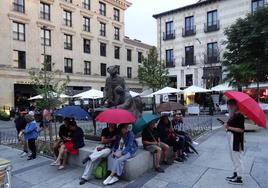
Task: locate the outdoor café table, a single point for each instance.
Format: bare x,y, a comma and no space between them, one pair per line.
5,176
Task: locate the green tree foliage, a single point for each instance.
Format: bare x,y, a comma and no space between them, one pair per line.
49,84
152,72
246,55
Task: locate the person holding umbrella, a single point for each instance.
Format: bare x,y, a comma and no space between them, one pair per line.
235,131
151,142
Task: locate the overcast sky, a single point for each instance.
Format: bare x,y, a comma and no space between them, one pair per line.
139,21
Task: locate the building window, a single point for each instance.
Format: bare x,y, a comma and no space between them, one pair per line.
86,4
44,11
68,42
116,33
102,9
212,53
170,58
69,1
18,31
189,80
87,46
129,72
116,14
189,26
103,49
19,59
67,18
255,4
48,62
189,56
87,69
139,57
170,33
86,25
102,29
45,37
117,52
103,69
129,55
19,5
68,65
212,21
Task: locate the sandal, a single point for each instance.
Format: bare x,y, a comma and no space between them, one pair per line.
55,163
61,167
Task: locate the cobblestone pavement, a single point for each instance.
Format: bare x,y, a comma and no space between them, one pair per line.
204,171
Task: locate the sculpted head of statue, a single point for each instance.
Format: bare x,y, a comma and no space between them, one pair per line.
113,70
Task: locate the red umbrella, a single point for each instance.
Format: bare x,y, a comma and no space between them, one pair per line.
248,106
116,116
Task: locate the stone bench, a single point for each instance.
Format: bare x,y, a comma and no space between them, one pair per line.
134,167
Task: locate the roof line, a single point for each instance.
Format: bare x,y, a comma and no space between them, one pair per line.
199,3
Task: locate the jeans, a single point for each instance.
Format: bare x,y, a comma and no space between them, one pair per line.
32,147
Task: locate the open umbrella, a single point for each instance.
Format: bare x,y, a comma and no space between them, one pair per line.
75,112
143,121
116,116
195,89
248,106
169,106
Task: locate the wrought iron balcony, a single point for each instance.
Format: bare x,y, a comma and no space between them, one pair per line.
188,31
212,26
169,36
188,61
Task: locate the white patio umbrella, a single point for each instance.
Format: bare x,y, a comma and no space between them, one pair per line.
53,94
222,87
147,93
134,94
167,90
195,89
90,94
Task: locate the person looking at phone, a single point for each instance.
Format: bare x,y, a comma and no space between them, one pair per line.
108,137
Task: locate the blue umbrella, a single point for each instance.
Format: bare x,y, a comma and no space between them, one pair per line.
143,121
75,112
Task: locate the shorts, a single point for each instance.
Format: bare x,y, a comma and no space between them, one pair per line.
153,148
70,148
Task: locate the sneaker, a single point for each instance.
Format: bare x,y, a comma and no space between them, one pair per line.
231,177
31,158
160,170
113,180
166,163
85,160
23,154
55,163
179,159
82,181
195,143
236,181
107,180
61,167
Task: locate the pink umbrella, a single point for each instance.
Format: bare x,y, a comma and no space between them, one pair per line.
248,106
116,116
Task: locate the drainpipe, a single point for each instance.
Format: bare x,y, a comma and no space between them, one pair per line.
160,47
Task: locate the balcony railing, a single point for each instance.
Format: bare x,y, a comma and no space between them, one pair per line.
170,63
169,36
211,59
213,26
189,61
188,31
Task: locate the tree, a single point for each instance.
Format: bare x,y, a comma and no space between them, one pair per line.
245,58
152,72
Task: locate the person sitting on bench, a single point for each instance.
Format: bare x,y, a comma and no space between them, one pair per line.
108,137
151,142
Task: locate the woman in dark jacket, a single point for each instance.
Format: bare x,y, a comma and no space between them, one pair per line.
71,146
168,136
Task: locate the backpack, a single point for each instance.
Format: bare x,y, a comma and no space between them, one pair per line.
101,170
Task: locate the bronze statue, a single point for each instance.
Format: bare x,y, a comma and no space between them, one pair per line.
117,94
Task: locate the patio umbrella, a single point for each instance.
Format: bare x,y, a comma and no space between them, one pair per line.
169,106
116,116
249,107
195,89
90,94
134,94
166,90
75,112
222,87
143,121
53,94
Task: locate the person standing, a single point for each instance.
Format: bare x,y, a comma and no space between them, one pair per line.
235,132
151,142
108,137
20,123
31,134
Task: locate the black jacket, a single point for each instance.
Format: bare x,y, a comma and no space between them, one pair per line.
77,137
20,123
